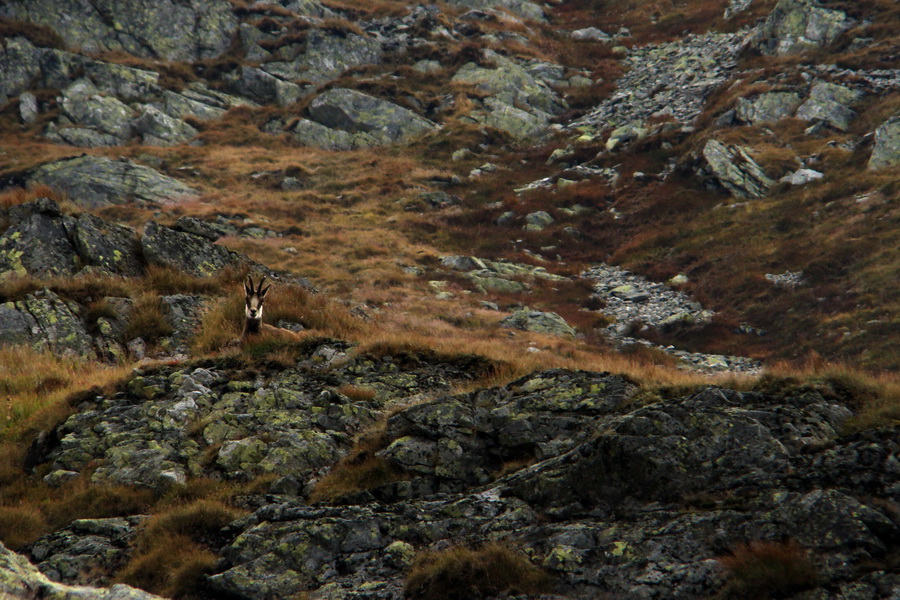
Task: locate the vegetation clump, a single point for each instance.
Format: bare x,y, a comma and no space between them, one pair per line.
463,573
768,570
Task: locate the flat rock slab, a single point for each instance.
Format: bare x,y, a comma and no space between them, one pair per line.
93,181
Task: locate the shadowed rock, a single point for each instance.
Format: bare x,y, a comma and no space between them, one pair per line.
37,242
185,252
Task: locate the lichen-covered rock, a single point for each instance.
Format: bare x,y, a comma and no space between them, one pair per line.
356,112
83,105
106,246
635,502
736,170
183,312
159,129
166,425
19,67
310,133
800,25
518,123
767,108
37,241
886,153
325,55
511,84
83,551
522,8
264,87
93,181
539,322
59,326
170,29
185,252
200,102
829,103
20,580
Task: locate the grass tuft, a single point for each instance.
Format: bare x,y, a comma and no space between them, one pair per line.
768,570
463,573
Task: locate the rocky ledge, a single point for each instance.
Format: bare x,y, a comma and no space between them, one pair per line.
608,489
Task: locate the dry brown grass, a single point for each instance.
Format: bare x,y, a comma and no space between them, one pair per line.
462,573
768,570
37,383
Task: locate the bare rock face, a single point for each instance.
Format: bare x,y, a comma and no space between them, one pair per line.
170,30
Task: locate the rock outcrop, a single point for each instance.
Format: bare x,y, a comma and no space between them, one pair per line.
370,120
800,25
94,181
886,152
20,580
736,170
169,30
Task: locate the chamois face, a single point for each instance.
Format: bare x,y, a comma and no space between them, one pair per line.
253,299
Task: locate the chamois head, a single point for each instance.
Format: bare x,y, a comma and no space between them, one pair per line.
253,301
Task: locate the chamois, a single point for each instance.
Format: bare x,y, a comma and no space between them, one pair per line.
253,311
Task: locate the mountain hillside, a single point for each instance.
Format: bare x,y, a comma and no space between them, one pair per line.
576,299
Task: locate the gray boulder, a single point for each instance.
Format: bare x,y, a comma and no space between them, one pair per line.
93,181
166,29
77,553
356,112
125,83
886,153
767,108
264,87
511,84
159,129
538,221
521,8
736,170
20,580
81,137
16,327
539,322
800,25
310,133
829,103
325,55
28,108
37,241
518,123
83,105
184,252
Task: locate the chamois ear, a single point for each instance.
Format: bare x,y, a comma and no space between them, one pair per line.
262,294
248,286
259,288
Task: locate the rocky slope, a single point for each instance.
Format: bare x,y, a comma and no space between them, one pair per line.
609,495
581,173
